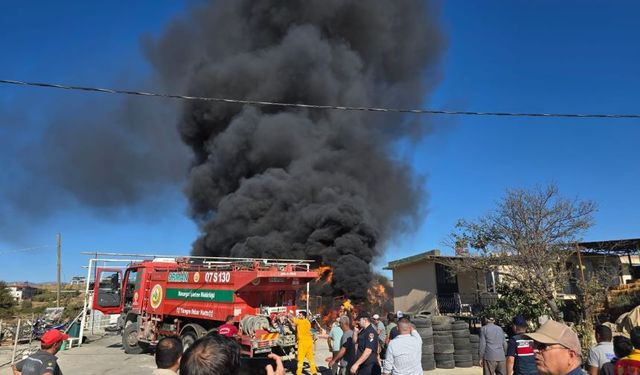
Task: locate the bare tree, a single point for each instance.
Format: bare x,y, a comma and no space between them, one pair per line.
528,237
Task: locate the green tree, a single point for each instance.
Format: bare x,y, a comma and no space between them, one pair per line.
514,301
532,233
6,301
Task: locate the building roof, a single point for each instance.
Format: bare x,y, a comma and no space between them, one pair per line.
624,246
418,258
20,285
611,247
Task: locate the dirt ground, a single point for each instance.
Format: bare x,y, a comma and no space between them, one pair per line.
104,355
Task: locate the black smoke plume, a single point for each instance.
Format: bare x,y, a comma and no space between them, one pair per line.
295,183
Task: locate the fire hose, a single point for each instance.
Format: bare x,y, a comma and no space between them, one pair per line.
250,324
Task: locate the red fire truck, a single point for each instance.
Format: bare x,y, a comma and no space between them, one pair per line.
192,296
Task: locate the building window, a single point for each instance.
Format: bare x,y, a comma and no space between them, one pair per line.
491,279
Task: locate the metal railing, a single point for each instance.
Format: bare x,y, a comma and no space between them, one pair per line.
453,304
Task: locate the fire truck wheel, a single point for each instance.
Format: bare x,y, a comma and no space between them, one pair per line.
130,340
188,338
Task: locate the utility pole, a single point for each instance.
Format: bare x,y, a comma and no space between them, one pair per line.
58,293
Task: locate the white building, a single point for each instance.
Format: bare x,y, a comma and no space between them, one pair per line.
21,291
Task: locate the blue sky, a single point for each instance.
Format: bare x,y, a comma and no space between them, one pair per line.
545,56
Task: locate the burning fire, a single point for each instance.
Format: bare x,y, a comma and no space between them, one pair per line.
378,297
326,273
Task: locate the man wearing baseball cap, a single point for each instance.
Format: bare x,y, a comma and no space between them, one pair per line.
44,360
556,349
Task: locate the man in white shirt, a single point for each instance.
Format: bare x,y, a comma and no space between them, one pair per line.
404,353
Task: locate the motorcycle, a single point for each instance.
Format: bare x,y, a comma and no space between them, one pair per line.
40,326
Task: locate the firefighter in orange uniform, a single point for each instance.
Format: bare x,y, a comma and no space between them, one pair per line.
305,342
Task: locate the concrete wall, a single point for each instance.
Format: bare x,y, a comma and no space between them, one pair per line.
414,287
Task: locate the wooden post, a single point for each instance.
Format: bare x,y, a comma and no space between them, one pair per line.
58,273
15,342
580,264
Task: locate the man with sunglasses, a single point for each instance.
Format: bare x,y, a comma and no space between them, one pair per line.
556,348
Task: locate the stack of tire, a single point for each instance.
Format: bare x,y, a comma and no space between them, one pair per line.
443,342
462,354
475,349
424,327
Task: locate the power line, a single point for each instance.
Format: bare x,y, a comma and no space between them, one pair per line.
317,106
25,249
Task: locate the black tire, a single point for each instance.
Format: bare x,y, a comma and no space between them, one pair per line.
421,322
447,340
428,365
130,341
460,333
462,357
461,343
442,334
443,348
428,349
446,364
188,338
460,324
436,320
425,331
441,327
443,357
462,352
428,357
464,364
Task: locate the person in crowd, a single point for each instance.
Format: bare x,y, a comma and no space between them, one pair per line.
391,323
393,332
168,353
228,329
602,352
630,364
366,345
44,361
382,335
622,347
404,354
215,354
520,359
557,350
334,341
347,354
305,342
492,348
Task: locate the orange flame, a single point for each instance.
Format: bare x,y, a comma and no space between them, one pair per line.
325,272
377,295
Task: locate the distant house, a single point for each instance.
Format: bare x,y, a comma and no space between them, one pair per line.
77,280
424,282
21,291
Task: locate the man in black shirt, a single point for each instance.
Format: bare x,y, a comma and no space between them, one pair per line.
44,361
367,346
347,351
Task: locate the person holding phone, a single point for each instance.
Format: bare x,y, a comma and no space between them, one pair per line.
215,354
367,346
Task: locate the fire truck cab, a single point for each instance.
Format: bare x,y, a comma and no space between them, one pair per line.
192,296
